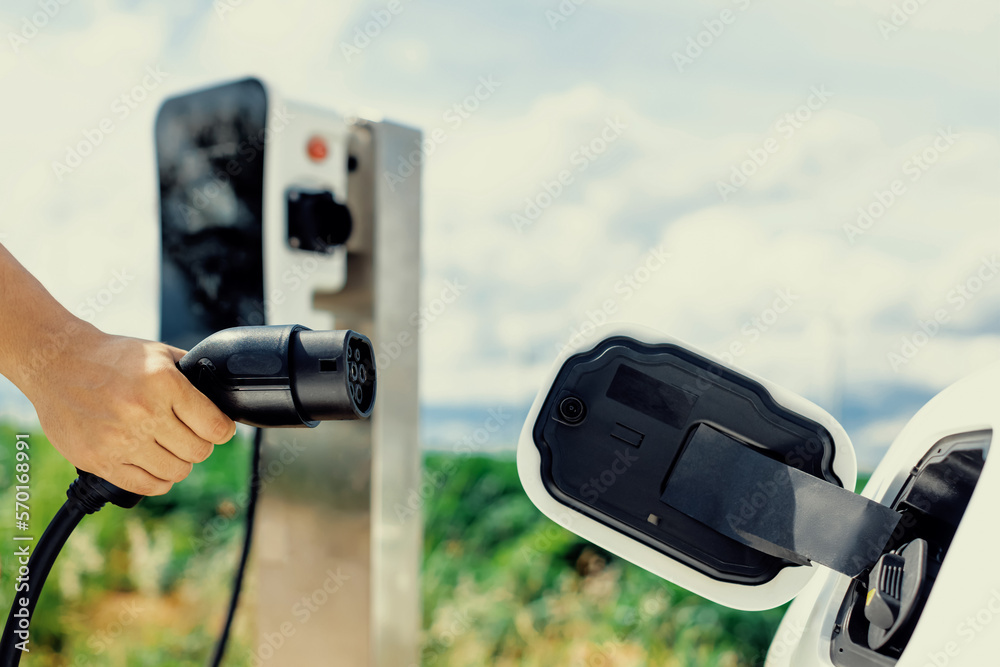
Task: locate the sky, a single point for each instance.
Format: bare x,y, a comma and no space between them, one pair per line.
811,184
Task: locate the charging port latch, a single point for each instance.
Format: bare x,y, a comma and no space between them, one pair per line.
894,592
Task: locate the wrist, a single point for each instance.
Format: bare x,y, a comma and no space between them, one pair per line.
37,334
50,350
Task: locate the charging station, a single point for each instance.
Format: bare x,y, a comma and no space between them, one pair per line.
274,212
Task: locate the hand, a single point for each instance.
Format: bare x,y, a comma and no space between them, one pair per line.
119,408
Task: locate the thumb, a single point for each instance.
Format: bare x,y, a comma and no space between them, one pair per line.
176,352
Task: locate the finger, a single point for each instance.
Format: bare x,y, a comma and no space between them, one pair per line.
135,479
182,442
202,416
176,352
160,462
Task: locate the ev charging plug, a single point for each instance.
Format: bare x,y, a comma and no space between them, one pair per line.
283,376
269,377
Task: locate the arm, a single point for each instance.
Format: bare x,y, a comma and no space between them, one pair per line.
114,406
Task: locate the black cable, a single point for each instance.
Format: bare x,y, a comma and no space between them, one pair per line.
220,646
87,494
39,565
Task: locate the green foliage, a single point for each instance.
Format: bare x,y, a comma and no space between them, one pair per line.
503,585
137,587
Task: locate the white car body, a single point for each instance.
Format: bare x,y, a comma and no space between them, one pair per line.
960,624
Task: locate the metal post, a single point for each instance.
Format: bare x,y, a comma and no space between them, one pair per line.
337,569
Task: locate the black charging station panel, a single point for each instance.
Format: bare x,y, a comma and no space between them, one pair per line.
210,157
616,421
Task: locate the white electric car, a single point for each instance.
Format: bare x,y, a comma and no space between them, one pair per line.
742,492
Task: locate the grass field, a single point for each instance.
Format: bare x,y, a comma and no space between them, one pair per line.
132,587
502,584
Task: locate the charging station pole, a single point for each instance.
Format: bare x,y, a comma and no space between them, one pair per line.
337,570
276,212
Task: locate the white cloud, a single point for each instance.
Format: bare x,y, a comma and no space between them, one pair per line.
783,231
952,17
872,441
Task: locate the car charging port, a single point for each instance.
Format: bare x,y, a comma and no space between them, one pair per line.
882,606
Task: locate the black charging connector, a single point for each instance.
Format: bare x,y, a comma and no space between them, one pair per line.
282,376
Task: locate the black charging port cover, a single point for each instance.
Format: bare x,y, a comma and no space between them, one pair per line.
618,417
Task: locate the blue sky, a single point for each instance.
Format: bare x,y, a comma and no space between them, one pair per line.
915,108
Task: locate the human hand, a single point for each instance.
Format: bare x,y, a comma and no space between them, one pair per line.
119,408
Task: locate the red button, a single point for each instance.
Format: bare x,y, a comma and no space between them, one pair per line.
316,148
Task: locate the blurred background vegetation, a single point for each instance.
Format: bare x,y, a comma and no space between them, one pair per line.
147,586
502,584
